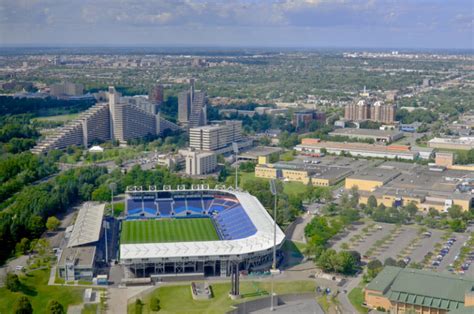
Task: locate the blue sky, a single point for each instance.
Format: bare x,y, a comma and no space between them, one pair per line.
281,23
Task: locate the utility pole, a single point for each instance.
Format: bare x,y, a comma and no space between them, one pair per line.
274,191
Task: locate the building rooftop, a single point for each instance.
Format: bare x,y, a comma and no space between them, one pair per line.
260,151
83,256
88,224
421,287
365,132
376,174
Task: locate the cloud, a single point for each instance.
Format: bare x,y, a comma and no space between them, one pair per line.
240,19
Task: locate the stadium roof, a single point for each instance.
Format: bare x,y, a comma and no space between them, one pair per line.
88,223
260,241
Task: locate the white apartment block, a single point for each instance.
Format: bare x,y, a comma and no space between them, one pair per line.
216,136
199,162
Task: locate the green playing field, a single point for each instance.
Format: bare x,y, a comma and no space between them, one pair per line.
168,230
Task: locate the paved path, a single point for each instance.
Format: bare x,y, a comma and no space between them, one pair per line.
296,231
346,305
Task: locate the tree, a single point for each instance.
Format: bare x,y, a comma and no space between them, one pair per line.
457,225
390,262
138,306
411,209
345,263
356,256
372,202
374,267
401,264
455,211
102,194
326,260
54,307
155,304
22,306
23,246
12,282
52,223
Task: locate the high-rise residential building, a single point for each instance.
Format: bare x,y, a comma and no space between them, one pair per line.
192,107
381,112
155,95
357,111
119,119
66,89
377,111
199,162
214,137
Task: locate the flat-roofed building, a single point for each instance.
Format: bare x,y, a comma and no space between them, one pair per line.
369,134
77,263
407,290
199,162
461,143
424,186
304,173
310,146
66,89
370,179
216,136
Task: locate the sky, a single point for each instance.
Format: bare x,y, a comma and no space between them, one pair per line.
445,24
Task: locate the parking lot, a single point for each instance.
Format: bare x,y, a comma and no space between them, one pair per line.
381,240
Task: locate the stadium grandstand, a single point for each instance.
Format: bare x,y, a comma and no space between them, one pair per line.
198,231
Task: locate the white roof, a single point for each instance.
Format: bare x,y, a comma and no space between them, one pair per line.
260,241
87,225
97,149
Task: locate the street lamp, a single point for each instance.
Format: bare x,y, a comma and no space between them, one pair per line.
112,187
273,190
235,148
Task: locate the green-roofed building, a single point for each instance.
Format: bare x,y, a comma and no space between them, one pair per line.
406,290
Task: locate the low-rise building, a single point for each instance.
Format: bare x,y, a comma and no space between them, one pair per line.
370,179
461,143
310,146
407,290
427,187
304,173
369,134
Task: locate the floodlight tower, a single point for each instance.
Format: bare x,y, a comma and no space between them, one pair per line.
235,148
274,191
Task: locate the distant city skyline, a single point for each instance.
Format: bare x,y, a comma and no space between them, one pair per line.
431,24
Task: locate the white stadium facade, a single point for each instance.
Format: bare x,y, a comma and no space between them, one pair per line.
245,229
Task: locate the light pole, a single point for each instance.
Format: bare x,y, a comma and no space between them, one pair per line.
112,187
273,190
235,148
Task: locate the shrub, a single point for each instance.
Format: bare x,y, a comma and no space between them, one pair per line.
13,282
155,304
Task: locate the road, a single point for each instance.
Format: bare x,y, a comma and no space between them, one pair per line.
295,232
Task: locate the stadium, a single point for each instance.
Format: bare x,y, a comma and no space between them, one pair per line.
198,231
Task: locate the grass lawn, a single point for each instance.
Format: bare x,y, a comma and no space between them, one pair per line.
35,287
168,230
356,296
178,299
59,118
290,188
